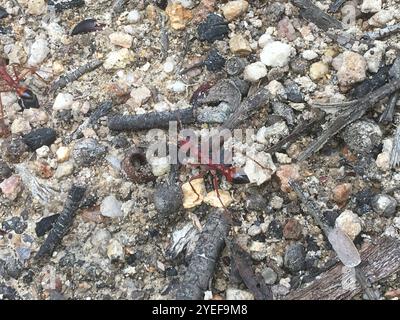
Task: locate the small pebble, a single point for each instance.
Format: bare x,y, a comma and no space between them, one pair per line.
160,166
121,39
134,16
235,66
318,70
15,224
368,6
381,18
362,136
269,276
177,86
239,45
294,259
64,170
43,151
255,172
255,71
5,170
14,149
341,193
178,16
286,172
115,251
63,101
139,96
168,199
236,294
37,7
309,55
224,199
276,54
87,151
111,207
214,61
234,9
384,204
38,52
118,59
11,187
292,229
20,126
254,230
276,202
351,68
350,223
62,154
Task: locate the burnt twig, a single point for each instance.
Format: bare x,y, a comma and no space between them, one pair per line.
395,154
387,115
75,75
102,110
379,262
349,115
241,262
311,12
63,222
381,33
150,120
204,258
336,5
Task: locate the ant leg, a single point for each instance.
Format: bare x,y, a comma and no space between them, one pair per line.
4,131
197,176
215,184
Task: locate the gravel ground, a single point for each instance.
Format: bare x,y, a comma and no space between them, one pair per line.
123,243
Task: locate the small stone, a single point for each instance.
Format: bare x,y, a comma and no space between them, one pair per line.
160,166
62,154
283,158
213,28
341,193
178,16
264,40
139,96
309,55
42,152
255,71
256,202
213,200
383,159
37,7
276,202
235,66
286,172
276,54
368,6
111,207
349,223
318,70
40,137
168,199
20,126
294,259
16,224
43,169
299,66
275,88
63,101
5,171
118,59
11,187
286,29
192,199
115,251
64,170
350,68
87,151
234,9
374,58
293,92
239,45
169,65
177,86
236,294
121,39
254,230
362,136
381,18
100,239
14,149
38,52
292,229
272,134
384,204
134,16
255,172
269,276
36,117
275,11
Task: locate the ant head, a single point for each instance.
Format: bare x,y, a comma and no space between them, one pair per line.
27,98
240,177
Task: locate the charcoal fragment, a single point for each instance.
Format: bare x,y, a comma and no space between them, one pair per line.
87,151
213,28
235,66
14,149
214,61
5,171
40,137
45,225
3,13
61,5
371,84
